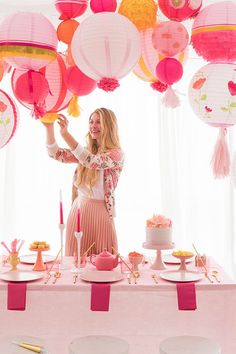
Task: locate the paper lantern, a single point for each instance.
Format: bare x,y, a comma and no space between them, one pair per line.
142,13
58,97
66,30
214,32
8,118
106,47
27,41
32,87
103,5
212,95
179,10
169,70
71,8
170,38
79,83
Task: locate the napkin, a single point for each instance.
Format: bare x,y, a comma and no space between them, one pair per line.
16,297
100,296
186,294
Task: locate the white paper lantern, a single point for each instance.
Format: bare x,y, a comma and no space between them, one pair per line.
106,47
212,95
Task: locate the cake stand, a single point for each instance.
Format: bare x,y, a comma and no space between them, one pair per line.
39,264
158,263
182,260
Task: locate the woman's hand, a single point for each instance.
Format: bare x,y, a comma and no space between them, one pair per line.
63,123
47,125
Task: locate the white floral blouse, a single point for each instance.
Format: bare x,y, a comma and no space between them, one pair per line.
111,162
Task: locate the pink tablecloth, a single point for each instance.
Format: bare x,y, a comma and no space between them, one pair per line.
143,314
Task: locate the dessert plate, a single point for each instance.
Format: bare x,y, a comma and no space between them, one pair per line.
31,258
169,259
8,345
184,276
101,276
19,276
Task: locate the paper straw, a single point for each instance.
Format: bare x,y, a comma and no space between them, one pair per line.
87,250
4,245
122,260
20,245
200,258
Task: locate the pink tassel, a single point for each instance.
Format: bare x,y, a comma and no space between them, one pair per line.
170,99
221,158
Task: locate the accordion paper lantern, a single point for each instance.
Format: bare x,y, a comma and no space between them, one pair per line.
8,118
106,47
170,38
103,5
71,8
179,10
27,40
58,97
214,32
212,95
66,30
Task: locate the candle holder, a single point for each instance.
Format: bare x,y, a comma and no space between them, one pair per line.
78,236
62,228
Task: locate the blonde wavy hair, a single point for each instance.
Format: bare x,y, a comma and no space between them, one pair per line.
109,139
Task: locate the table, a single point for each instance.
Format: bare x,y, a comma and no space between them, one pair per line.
143,314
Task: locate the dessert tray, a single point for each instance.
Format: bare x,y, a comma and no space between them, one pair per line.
101,276
31,258
181,276
19,276
169,259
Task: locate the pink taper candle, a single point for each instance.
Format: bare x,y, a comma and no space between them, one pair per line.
61,210
78,221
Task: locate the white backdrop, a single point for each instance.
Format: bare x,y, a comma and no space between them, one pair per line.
166,171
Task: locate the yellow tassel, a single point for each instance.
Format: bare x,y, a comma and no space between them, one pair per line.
50,117
73,108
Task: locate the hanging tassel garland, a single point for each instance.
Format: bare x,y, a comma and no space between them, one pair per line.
221,157
73,108
170,99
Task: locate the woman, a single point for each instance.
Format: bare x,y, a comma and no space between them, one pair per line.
95,180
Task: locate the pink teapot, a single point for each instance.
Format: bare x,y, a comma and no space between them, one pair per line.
105,260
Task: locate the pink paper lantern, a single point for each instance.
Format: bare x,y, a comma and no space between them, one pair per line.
79,83
58,97
27,40
170,38
145,69
8,117
103,5
214,32
169,71
71,8
179,10
212,95
106,47
32,87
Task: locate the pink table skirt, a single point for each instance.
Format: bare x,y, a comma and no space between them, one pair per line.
143,314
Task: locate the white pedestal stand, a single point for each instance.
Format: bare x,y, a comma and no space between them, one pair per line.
158,263
62,228
78,236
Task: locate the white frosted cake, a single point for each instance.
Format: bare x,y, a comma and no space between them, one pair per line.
159,230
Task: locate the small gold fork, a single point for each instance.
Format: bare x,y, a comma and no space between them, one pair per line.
56,276
48,278
154,277
75,277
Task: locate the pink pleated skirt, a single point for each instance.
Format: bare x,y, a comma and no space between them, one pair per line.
96,226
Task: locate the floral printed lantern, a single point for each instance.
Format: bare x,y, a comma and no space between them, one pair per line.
8,118
170,38
179,10
71,8
106,47
214,32
212,95
27,41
